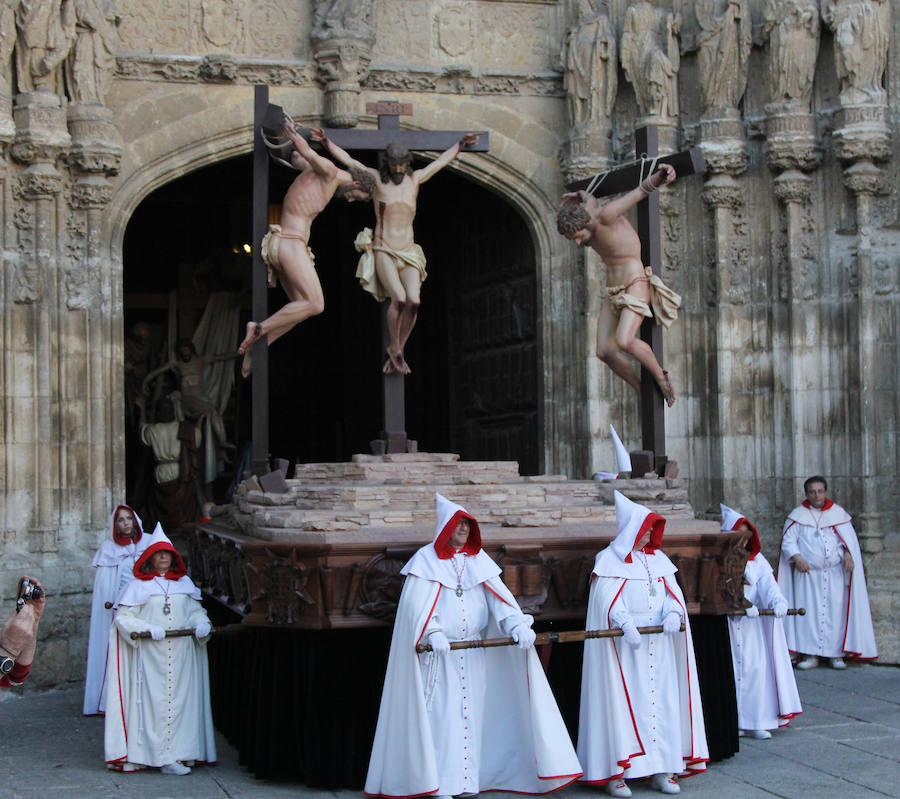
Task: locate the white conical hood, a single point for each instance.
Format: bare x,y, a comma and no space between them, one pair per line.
632,521
623,459
730,518
147,584
439,561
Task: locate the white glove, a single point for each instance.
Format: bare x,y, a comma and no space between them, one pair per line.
524,636
439,643
752,612
202,629
156,633
632,636
672,623
780,610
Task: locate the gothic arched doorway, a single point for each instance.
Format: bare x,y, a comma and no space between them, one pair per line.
474,352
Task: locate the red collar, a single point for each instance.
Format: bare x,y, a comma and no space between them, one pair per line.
827,506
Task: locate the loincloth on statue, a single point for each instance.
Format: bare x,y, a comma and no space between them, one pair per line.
663,300
410,258
269,251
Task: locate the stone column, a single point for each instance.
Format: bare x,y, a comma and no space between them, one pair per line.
342,40
861,139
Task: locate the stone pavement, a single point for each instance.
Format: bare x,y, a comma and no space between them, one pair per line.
846,744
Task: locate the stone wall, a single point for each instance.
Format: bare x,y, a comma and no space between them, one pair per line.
785,252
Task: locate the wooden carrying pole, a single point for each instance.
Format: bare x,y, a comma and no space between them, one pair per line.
582,635
183,633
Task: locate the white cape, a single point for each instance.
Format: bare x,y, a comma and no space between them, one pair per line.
526,747
858,639
114,566
158,706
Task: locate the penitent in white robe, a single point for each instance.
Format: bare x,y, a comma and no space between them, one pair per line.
764,681
114,564
158,706
838,621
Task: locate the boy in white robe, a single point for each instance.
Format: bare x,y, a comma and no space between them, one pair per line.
467,720
764,681
157,698
114,563
821,569
641,714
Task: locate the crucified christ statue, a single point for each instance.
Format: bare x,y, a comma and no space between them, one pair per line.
631,288
285,249
393,265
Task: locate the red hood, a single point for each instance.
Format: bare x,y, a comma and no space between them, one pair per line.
177,571
121,540
656,525
754,545
442,541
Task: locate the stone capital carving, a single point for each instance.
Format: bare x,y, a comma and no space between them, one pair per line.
585,154
41,133
91,192
862,30
792,186
864,177
590,69
791,141
96,142
724,51
342,41
40,181
792,28
651,59
861,132
722,140
723,191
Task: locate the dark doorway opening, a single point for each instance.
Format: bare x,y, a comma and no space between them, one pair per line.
475,383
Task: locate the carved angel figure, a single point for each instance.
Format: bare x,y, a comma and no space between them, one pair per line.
724,50
92,59
792,27
45,31
650,57
589,59
862,31
342,17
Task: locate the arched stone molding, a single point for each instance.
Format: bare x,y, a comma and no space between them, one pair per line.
527,177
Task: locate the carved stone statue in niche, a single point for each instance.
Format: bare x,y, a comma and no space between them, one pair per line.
792,27
7,44
589,59
45,31
862,30
92,59
342,18
724,49
650,58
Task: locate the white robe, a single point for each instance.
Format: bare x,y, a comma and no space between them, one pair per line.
114,566
158,691
838,621
764,681
640,708
472,720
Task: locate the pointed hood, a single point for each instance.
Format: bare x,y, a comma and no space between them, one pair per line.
440,562
159,542
121,540
448,516
632,521
623,459
731,522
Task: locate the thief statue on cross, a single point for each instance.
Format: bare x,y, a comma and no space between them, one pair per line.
632,287
392,264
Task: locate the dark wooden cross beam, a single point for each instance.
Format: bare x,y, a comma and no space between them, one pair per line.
389,113
616,181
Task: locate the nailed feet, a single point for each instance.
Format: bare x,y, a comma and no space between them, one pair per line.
666,388
395,363
254,333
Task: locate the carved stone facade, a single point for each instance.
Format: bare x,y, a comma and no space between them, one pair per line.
786,350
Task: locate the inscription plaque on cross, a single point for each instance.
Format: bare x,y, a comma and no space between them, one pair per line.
388,131
617,181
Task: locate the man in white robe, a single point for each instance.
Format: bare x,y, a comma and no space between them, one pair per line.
641,714
114,563
764,681
821,569
157,696
467,720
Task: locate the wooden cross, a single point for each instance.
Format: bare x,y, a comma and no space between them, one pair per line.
389,113
616,181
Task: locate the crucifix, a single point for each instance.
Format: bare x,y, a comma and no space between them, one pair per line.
616,181
388,112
